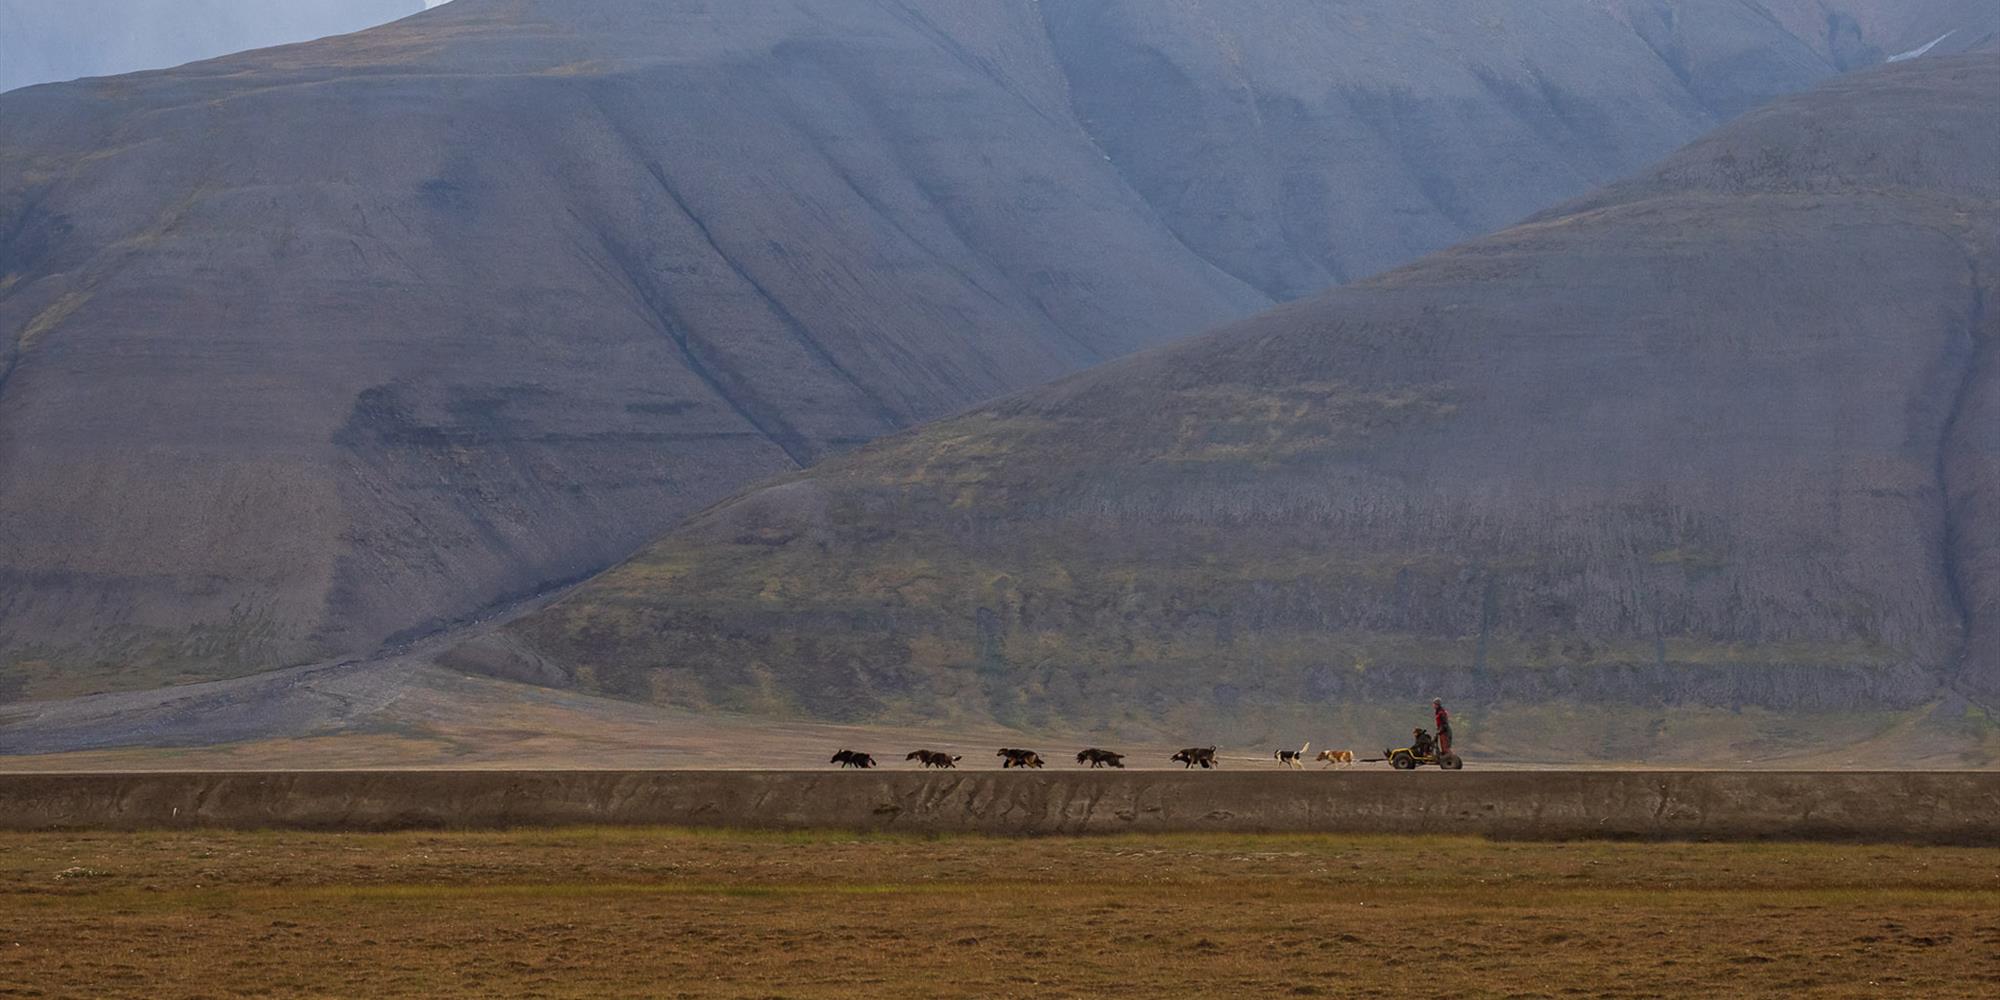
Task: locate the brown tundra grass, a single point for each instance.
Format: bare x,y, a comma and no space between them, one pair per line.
664,913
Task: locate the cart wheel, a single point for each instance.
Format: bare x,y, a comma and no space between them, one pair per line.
1403,761
1451,762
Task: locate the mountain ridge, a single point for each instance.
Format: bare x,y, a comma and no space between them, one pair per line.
1722,436
326,346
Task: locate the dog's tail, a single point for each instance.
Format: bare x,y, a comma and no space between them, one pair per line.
1303,747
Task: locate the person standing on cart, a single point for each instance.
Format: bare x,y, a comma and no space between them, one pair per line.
1443,726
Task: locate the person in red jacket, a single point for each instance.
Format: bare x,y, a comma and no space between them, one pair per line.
1443,726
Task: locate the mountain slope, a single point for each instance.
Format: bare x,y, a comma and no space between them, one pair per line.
317,347
1726,435
44,40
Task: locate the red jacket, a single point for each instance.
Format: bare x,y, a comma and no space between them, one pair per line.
1443,719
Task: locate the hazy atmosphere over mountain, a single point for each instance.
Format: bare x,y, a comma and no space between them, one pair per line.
47,40
319,346
1725,435
968,498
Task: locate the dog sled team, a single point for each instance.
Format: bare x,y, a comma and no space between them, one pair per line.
1095,757
1422,743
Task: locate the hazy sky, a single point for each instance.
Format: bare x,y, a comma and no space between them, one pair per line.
45,40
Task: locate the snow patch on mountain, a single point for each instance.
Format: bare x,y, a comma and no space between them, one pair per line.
1922,49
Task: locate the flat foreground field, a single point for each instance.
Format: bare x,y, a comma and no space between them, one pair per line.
636,912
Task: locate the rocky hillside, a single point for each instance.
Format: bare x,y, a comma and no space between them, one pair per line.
45,40
1725,435
312,348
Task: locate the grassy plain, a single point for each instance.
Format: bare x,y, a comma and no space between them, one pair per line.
638,912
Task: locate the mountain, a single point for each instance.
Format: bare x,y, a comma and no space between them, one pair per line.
1721,438
317,348
45,40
